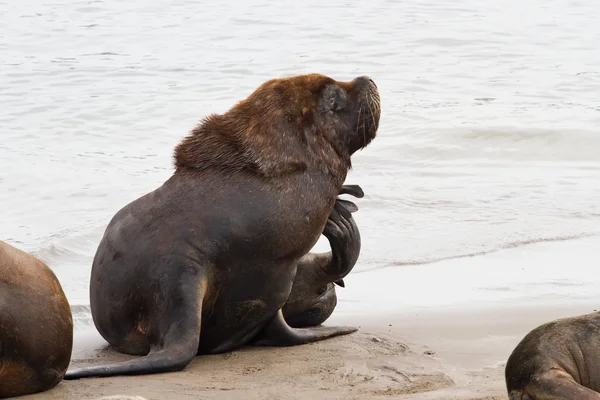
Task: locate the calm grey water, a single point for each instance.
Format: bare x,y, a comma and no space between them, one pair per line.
490,133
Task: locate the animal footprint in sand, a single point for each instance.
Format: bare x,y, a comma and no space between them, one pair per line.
389,380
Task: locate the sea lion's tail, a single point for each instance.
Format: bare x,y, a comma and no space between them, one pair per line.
166,360
179,340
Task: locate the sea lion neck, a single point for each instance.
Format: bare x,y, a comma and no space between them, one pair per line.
213,143
267,143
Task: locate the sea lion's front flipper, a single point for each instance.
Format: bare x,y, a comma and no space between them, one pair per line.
354,190
179,337
313,296
279,333
344,238
556,384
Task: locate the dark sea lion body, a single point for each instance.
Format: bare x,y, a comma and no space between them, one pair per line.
205,263
558,360
36,325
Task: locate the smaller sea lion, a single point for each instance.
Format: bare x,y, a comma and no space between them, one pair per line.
558,360
313,297
36,325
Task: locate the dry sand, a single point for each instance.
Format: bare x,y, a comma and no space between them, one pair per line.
441,354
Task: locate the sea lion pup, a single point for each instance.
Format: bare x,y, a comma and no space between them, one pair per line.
558,360
313,297
36,325
206,262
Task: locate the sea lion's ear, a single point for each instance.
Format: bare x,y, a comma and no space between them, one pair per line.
335,98
340,283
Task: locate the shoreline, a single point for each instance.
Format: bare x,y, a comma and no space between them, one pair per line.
531,271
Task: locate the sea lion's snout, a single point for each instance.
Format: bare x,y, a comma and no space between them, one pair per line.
365,83
368,111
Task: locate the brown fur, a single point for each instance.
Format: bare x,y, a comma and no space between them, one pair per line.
36,326
557,361
260,133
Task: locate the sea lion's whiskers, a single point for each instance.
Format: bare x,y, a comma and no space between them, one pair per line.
358,121
367,102
364,129
371,102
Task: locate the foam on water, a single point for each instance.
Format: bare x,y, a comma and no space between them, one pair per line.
489,135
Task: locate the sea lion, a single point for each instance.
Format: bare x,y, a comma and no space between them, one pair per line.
36,325
313,297
205,262
557,360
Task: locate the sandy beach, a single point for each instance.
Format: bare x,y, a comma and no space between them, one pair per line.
435,355
452,350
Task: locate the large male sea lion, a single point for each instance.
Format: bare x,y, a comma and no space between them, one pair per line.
36,325
313,297
559,360
205,263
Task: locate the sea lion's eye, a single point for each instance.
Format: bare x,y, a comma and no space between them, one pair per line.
336,98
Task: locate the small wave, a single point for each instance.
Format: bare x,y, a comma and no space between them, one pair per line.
516,134
65,245
82,317
80,308
514,143
506,246
537,136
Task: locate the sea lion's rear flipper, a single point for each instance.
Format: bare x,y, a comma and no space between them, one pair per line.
556,385
279,333
178,334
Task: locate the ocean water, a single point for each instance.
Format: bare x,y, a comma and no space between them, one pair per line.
489,138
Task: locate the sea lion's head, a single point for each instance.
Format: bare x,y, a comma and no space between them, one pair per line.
348,112
345,114
288,124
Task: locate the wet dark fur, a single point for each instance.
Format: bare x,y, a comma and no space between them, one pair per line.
205,263
36,326
557,361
